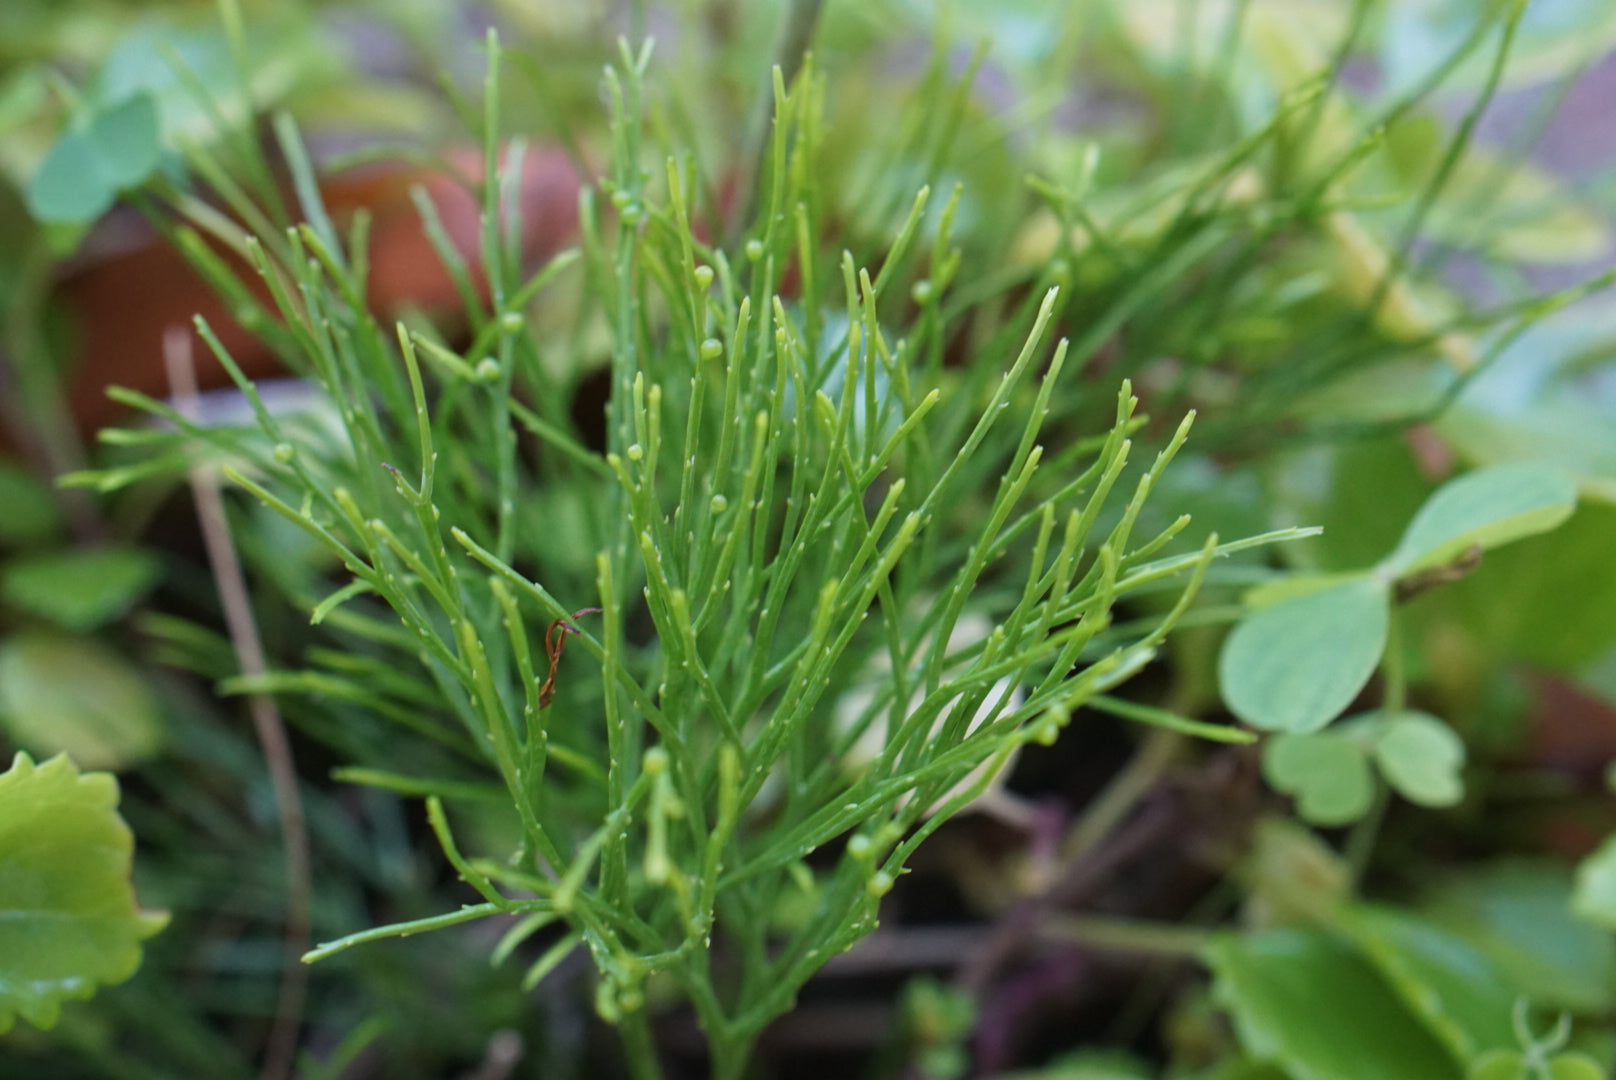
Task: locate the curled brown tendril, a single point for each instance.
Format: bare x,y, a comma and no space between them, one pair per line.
555,640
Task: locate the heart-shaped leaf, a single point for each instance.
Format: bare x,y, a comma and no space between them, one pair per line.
80,589
1420,757
1296,665
1325,770
1483,509
60,693
68,919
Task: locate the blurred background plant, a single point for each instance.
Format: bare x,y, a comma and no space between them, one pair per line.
1365,240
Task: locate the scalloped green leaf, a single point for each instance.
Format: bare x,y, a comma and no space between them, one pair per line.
1420,757
1310,1005
1296,665
1327,773
1483,509
80,589
68,918
74,695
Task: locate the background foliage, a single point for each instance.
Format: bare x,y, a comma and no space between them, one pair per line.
1322,226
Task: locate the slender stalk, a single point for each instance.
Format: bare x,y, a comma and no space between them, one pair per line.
1125,935
640,1046
281,1048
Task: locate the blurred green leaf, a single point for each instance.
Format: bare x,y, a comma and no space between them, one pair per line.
1548,397
1484,509
1296,665
1087,1065
118,147
23,93
1549,600
1499,1065
1325,770
1464,998
80,589
1512,1065
1420,757
73,694
68,187
30,513
1520,915
1312,1006
127,141
1594,896
1554,37
1363,494
68,918
1574,1066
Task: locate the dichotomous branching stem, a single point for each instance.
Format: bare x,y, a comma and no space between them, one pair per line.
797,499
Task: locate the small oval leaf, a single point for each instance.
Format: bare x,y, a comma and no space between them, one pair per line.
1483,509
1296,665
68,918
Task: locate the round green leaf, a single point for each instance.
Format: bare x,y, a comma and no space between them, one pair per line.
1420,757
1325,770
67,188
80,589
1312,1006
68,919
1296,665
60,693
1483,509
